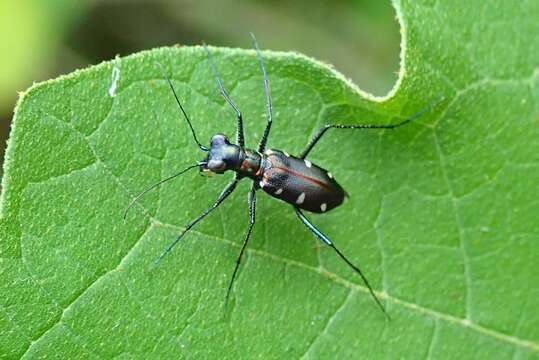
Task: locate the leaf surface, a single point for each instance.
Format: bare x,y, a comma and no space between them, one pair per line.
442,216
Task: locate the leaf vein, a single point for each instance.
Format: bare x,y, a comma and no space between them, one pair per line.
434,314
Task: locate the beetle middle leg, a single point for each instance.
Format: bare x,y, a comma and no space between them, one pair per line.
328,242
224,194
252,209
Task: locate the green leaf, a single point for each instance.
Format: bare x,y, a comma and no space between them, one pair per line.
442,216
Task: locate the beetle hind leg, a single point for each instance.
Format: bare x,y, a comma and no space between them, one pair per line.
323,129
319,234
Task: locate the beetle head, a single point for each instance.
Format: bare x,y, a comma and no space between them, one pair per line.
222,156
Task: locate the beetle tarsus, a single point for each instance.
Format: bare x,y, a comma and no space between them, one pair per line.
224,194
252,209
328,242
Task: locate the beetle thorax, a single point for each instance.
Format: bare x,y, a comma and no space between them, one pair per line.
250,165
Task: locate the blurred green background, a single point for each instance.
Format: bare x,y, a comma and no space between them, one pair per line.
41,39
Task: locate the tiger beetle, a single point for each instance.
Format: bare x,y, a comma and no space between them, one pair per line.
292,179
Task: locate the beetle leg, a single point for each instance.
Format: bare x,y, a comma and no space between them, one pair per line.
224,194
239,129
325,128
328,242
252,208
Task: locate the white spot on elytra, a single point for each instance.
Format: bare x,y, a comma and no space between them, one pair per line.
323,207
268,152
330,175
279,191
300,199
286,154
308,163
114,83
261,183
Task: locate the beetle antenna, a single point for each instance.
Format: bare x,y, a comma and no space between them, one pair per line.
240,137
269,106
202,147
141,194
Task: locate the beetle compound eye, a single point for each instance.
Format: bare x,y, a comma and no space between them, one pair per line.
219,139
216,165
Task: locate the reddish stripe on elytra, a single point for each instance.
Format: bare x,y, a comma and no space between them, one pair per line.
300,175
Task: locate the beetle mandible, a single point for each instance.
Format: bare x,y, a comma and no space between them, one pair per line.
292,179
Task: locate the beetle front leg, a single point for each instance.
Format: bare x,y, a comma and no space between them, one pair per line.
224,194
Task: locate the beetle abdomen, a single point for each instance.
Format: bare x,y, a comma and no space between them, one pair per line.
300,182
